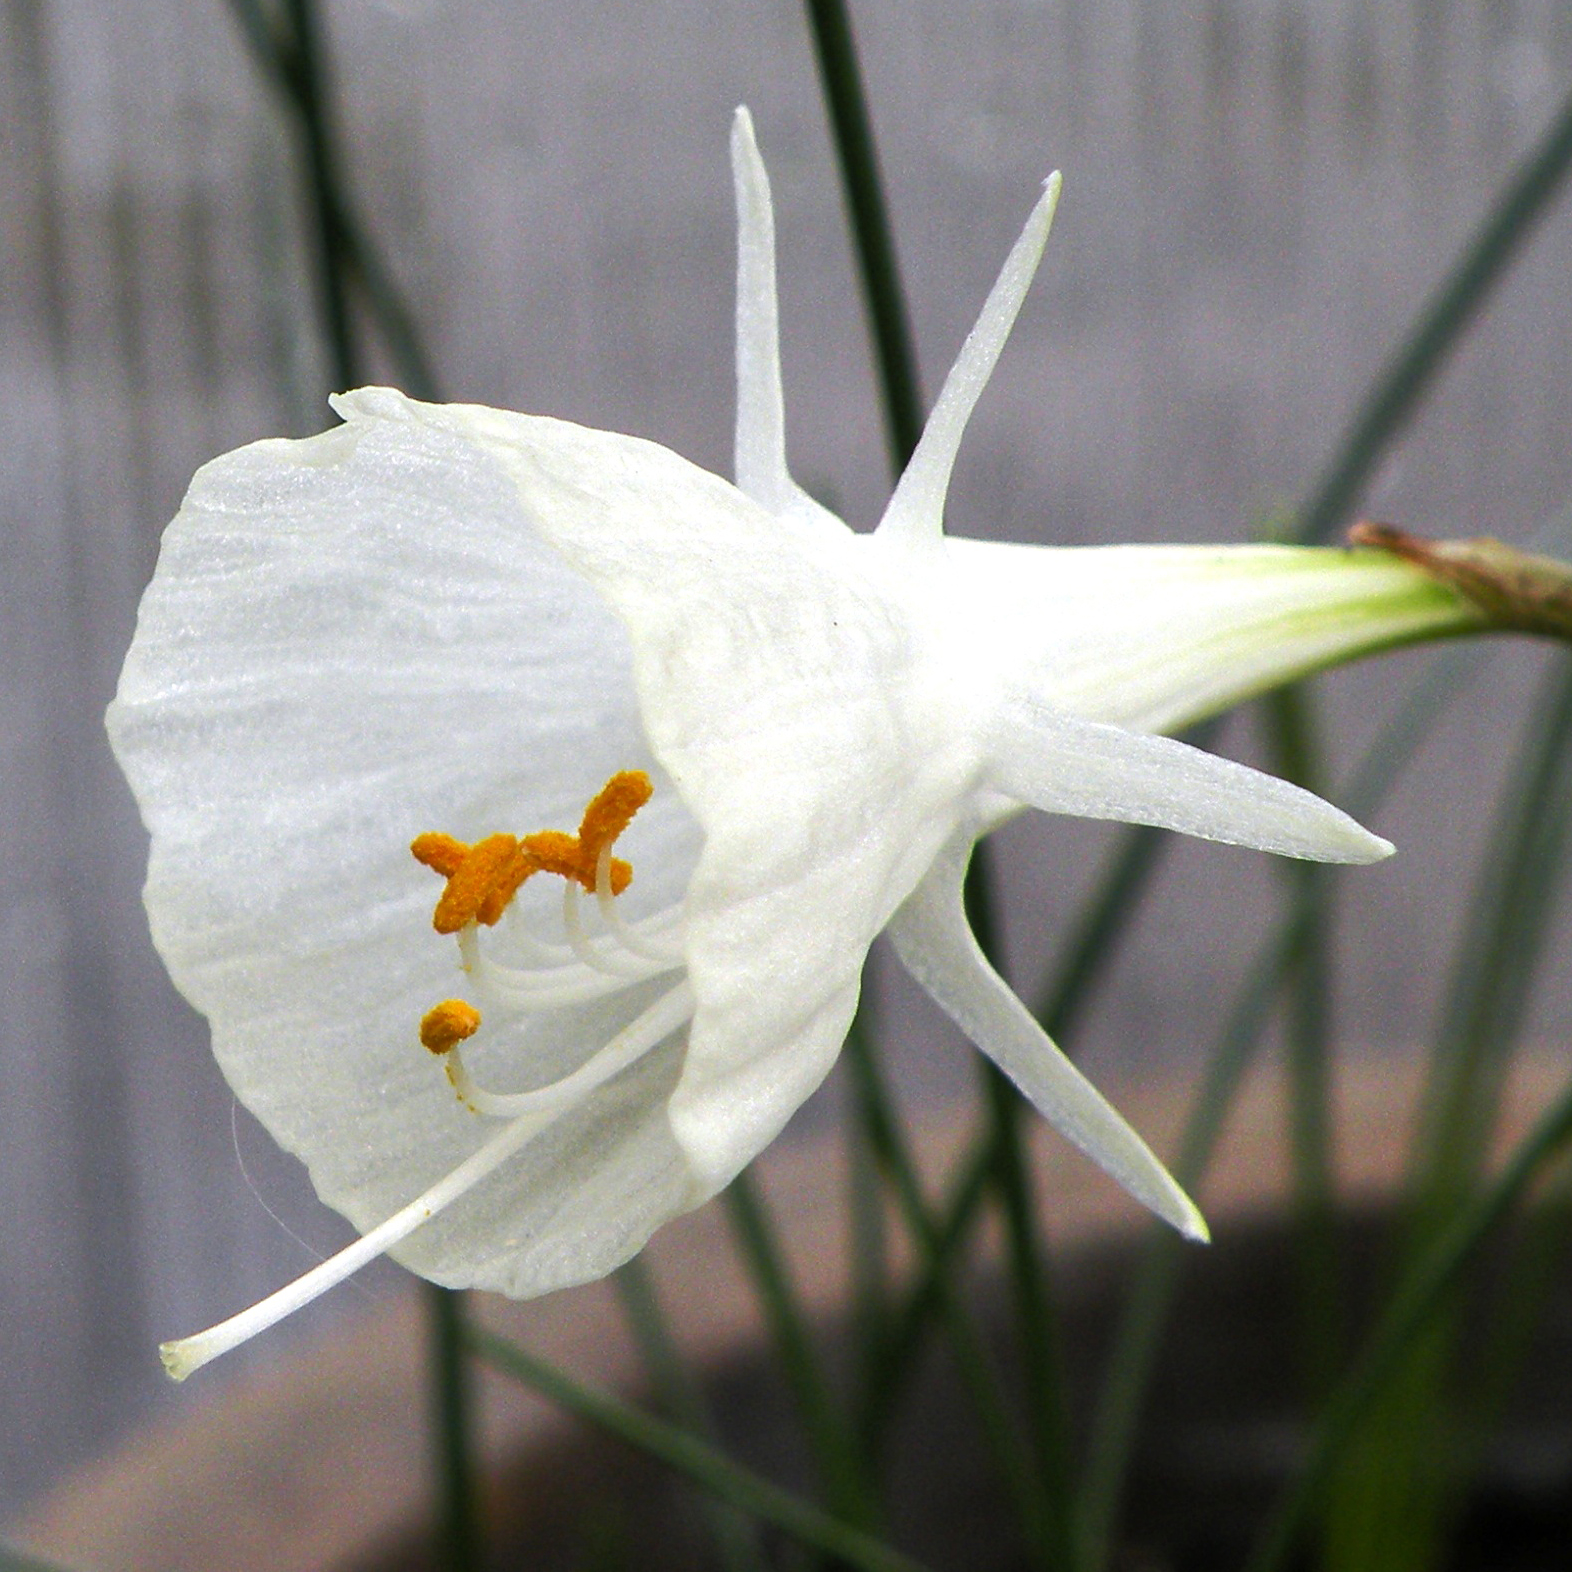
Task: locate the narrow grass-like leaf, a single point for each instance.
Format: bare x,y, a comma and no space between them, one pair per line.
1308,1004
681,1396
16,1561
831,1439
1145,1312
1424,1288
841,80
451,1426
1397,391
851,128
965,1342
1398,1487
695,1459
291,50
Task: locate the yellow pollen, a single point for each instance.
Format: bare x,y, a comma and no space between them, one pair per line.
441,853
610,812
445,1026
483,878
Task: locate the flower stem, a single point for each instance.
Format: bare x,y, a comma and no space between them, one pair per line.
687,1454
841,79
451,1413
1517,591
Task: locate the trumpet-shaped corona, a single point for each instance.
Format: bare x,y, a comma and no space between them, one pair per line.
456,616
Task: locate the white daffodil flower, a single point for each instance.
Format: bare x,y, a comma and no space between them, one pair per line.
456,626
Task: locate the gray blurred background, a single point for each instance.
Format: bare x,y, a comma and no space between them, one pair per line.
1259,194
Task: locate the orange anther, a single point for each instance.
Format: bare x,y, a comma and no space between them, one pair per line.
441,853
564,855
608,815
446,1025
612,808
483,878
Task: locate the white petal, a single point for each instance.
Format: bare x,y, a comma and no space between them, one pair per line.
762,474
916,511
761,420
936,946
778,692
1156,637
1062,764
348,641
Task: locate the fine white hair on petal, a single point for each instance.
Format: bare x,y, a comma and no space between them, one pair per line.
916,512
935,944
1060,764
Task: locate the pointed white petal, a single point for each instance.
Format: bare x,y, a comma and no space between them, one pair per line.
761,419
1061,764
761,469
916,511
1157,637
936,946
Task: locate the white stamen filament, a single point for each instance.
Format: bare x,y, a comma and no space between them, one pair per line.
639,942
532,1113
592,955
535,950
549,987
631,1043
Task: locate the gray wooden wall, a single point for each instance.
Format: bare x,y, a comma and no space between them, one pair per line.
1258,195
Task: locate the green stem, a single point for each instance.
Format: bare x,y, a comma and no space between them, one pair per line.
1408,375
451,1404
683,1399
841,79
830,1437
707,1467
971,1355
1424,1288
1294,749
314,112
1510,921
